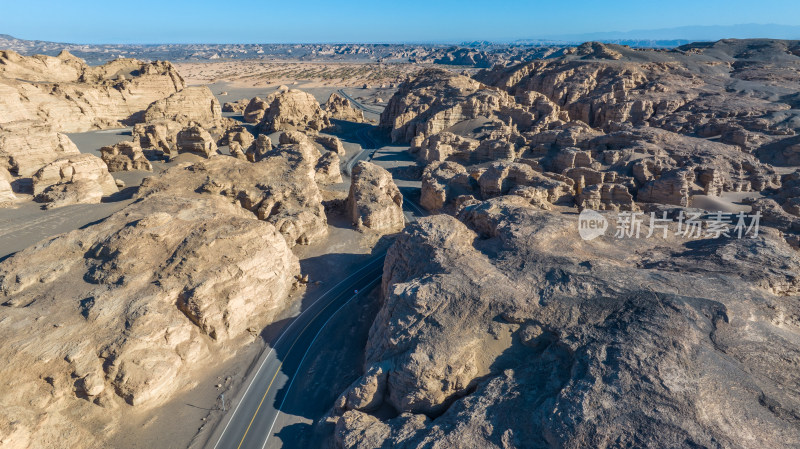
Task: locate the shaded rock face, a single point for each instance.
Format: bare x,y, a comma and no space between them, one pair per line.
331,143
83,178
374,201
443,182
160,136
259,148
25,147
7,197
256,108
132,309
437,99
280,189
125,156
604,196
340,108
328,170
71,96
671,187
237,106
695,89
457,119
448,183
294,110
195,139
504,319
192,104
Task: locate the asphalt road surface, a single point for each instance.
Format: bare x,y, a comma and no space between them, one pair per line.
251,422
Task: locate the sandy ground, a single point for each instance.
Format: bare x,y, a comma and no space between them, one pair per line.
256,73
728,202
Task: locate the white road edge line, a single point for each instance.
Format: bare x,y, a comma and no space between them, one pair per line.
300,365
272,349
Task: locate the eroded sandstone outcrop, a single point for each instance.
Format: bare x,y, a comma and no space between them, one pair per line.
280,188
125,156
25,147
375,202
191,104
7,197
340,108
131,310
505,319
195,139
294,110
70,96
82,178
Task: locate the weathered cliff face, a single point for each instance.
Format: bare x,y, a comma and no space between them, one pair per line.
374,201
731,89
280,188
505,319
294,110
78,179
133,308
25,147
340,108
130,310
192,104
70,96
437,99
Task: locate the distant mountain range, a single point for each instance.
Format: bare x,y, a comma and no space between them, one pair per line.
671,37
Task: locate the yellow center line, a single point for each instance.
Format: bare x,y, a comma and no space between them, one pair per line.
279,368
259,405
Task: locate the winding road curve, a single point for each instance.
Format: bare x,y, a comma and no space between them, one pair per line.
250,423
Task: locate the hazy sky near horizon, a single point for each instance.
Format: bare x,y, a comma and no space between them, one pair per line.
268,21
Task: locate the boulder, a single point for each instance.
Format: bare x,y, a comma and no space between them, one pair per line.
294,110
340,108
7,197
256,108
192,104
331,143
328,170
259,148
374,201
159,136
125,156
77,179
25,147
195,139
442,182
236,107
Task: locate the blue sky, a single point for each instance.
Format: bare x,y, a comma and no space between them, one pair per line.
267,21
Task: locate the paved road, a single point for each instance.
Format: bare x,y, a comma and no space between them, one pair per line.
357,104
252,420
251,423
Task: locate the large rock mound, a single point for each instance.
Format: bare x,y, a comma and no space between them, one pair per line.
505,319
294,110
83,178
374,201
192,104
340,108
